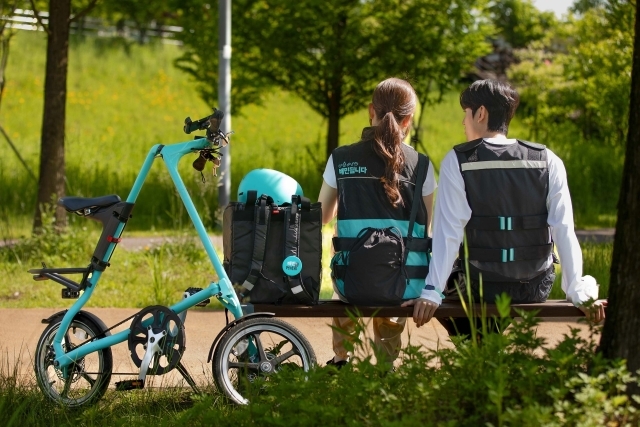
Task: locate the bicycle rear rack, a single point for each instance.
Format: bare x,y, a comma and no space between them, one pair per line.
56,274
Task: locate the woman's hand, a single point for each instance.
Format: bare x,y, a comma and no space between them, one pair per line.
423,310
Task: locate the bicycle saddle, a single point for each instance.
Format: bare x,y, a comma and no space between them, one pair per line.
74,204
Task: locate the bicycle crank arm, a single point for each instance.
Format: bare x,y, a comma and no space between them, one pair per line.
153,348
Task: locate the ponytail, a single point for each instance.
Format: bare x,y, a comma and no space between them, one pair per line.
388,137
393,101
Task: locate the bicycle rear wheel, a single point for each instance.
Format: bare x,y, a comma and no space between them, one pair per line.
253,350
88,377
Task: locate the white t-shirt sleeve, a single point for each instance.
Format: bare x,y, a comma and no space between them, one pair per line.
329,174
451,214
577,288
428,187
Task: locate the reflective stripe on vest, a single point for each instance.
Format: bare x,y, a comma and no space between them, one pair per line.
504,164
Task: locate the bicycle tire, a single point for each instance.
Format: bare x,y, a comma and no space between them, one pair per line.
234,370
90,375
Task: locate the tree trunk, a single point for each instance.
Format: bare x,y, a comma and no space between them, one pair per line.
333,132
51,185
620,337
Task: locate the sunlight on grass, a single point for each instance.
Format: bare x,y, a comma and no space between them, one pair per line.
123,98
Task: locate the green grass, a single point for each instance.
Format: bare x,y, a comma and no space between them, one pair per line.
138,278
158,274
123,98
123,101
23,404
596,259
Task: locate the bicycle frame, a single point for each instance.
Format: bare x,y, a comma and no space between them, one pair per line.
222,290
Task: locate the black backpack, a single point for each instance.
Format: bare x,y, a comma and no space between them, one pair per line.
273,254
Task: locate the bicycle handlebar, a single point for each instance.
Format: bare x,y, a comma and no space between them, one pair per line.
214,135
211,123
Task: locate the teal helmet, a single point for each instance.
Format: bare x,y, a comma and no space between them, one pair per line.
279,186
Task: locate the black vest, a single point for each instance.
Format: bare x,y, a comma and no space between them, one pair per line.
358,170
508,237
363,203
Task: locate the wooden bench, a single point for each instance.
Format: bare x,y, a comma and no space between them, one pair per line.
334,308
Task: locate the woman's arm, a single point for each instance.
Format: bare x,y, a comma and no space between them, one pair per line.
428,204
329,199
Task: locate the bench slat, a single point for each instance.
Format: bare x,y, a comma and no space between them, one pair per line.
334,308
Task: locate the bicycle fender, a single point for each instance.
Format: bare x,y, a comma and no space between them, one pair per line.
51,318
231,325
95,319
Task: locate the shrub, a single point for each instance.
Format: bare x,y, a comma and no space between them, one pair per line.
508,379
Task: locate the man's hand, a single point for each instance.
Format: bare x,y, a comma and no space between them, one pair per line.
423,310
594,312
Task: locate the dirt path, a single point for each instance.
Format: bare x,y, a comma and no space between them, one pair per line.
22,328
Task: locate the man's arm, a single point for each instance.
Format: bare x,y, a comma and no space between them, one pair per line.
577,288
451,214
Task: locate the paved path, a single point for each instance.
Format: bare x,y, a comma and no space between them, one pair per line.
22,328
602,235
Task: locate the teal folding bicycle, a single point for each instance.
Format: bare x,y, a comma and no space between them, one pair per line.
73,358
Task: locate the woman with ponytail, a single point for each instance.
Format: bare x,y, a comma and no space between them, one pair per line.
370,187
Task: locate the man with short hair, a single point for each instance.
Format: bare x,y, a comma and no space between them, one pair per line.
511,199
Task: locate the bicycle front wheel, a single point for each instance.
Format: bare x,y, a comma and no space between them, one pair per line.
88,377
253,350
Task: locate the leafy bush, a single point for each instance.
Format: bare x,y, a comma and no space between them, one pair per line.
507,379
503,380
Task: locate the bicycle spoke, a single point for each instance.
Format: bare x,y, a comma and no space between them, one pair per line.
67,386
87,378
242,365
285,356
260,348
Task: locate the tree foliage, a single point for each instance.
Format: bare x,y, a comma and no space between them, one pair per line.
143,15
332,54
199,18
576,82
519,22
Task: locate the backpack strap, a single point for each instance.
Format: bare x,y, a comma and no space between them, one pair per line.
292,218
252,196
417,199
262,217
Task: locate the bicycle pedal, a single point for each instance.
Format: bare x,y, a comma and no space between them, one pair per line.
192,291
129,385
